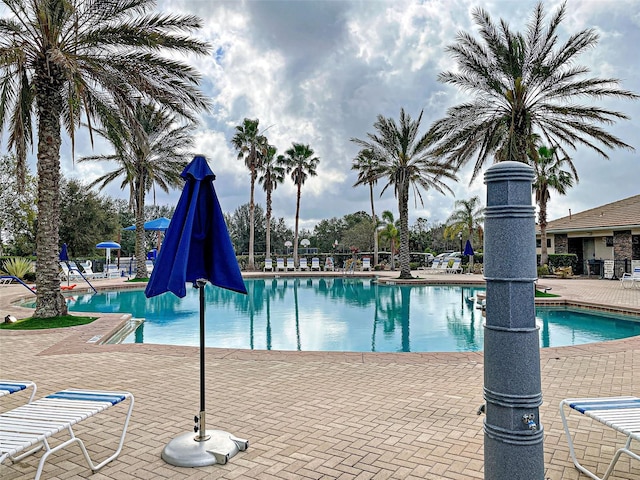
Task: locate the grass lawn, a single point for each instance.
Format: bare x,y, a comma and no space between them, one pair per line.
33,323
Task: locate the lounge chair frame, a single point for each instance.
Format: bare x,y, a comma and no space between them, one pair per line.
8,387
27,429
620,413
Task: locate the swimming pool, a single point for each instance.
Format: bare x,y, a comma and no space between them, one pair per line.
338,314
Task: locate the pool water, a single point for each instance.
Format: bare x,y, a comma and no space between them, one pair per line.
338,314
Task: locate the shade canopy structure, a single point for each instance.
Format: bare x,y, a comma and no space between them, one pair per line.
159,225
197,249
108,246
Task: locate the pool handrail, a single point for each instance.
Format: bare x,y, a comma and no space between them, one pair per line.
12,277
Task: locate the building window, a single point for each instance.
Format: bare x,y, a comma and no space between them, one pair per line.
608,241
539,243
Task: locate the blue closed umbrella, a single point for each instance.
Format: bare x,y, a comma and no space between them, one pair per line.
64,255
197,249
468,249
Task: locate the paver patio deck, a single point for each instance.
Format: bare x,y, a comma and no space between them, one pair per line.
318,415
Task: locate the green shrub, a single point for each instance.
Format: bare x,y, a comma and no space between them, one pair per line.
17,266
543,270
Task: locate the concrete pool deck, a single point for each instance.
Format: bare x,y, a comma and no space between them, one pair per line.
316,415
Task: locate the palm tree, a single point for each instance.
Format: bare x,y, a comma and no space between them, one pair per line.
149,152
61,60
251,147
547,166
524,84
301,164
366,164
466,219
404,161
272,172
389,233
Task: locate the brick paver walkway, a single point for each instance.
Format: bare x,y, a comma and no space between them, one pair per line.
317,415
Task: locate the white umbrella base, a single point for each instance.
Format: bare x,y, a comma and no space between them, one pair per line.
186,451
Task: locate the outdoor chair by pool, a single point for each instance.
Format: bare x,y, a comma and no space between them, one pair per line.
69,273
620,413
329,265
435,267
268,265
315,264
112,271
303,264
631,279
280,264
366,264
8,387
27,429
455,267
290,265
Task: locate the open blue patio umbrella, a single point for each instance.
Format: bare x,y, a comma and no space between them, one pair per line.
159,225
197,249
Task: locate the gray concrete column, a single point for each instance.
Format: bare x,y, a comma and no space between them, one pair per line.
513,447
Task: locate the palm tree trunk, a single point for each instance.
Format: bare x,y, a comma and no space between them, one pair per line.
295,236
542,220
375,227
268,233
252,209
49,299
403,207
141,267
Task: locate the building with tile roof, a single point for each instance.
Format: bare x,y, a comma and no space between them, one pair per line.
610,233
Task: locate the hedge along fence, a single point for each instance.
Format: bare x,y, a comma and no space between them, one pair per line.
559,260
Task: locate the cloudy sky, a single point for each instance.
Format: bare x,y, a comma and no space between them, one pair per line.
319,72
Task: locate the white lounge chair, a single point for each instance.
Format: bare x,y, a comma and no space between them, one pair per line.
366,264
8,387
329,266
303,264
291,265
31,425
280,264
315,264
149,265
455,267
112,271
69,273
268,265
620,413
631,279
434,268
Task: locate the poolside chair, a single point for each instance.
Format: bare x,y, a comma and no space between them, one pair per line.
280,264
6,280
315,264
34,423
620,413
149,265
631,279
434,268
8,387
455,267
303,264
87,270
329,266
268,265
69,273
366,264
112,271
291,265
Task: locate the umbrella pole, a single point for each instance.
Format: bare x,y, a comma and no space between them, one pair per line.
202,429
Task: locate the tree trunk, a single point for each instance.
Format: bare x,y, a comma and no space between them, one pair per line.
252,208
542,220
141,267
295,235
49,300
403,207
268,219
375,227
